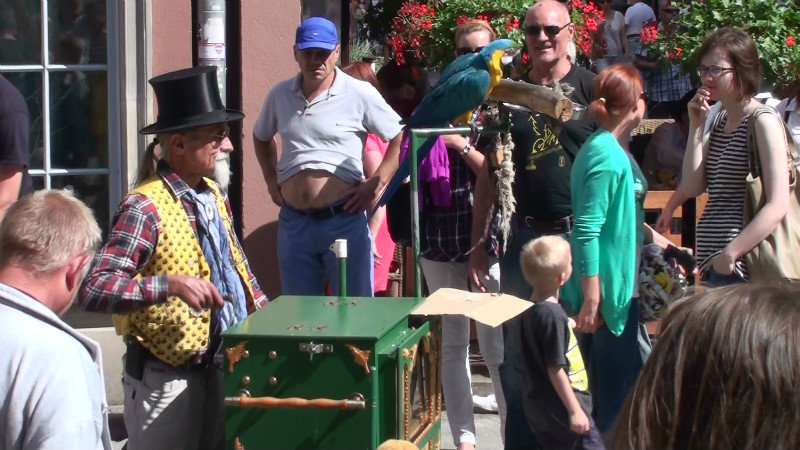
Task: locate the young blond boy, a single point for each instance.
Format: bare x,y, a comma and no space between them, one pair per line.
556,392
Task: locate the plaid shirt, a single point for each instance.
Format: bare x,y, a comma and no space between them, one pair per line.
110,286
446,231
668,83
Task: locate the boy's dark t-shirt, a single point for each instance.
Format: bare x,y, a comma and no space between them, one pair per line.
548,340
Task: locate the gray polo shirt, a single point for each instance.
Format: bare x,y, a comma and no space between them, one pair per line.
328,132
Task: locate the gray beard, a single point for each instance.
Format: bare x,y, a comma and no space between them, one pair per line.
222,173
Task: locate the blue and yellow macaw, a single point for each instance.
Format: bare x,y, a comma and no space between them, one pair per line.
462,87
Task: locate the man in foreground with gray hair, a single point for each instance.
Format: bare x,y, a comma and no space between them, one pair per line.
51,387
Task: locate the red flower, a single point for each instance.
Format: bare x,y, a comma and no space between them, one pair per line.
509,27
790,41
461,19
525,58
649,33
591,24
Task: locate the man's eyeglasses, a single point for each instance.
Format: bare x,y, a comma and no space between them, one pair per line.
461,51
218,137
550,30
714,71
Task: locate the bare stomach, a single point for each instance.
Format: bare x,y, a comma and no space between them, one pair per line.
313,189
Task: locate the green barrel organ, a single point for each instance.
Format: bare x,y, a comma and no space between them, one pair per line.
328,372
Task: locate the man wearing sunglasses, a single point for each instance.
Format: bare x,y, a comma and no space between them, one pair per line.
542,160
174,275
323,117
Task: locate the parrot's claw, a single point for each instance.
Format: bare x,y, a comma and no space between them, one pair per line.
474,127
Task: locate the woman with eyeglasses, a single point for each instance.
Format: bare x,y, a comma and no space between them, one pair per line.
730,72
614,32
607,195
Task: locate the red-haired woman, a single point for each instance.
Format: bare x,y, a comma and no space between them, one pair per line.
605,240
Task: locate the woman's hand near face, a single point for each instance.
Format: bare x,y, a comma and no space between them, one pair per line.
698,107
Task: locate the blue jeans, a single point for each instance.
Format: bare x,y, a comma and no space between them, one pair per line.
613,364
306,262
518,434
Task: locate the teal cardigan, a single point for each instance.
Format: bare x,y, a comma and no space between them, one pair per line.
603,238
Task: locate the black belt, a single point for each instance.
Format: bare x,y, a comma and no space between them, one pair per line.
319,213
563,225
137,354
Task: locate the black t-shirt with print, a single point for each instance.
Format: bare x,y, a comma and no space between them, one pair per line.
543,160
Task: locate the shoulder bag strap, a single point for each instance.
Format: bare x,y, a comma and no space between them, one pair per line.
752,144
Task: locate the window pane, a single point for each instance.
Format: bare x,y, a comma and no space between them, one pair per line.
330,9
77,31
38,182
21,31
92,190
78,120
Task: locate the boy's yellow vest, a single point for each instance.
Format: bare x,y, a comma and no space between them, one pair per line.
172,331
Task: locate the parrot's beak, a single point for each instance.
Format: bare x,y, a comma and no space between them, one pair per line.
508,56
505,57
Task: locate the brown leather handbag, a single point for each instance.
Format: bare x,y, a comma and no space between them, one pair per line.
776,258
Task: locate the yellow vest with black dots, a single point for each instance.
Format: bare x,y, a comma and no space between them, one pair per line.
172,331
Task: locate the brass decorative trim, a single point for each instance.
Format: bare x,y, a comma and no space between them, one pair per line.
406,403
236,354
360,357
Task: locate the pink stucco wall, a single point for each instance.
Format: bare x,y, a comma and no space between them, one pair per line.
267,37
172,36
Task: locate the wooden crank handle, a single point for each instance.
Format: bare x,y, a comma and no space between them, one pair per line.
356,402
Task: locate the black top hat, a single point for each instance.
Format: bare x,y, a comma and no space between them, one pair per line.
188,98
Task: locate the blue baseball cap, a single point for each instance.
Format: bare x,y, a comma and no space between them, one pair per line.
316,32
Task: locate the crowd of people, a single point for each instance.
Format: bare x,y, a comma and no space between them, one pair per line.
576,370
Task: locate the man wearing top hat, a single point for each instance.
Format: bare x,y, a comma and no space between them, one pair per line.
323,117
174,275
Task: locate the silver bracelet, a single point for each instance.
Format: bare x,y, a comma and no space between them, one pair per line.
466,149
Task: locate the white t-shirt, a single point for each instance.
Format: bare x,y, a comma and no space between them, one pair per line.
327,132
611,33
638,15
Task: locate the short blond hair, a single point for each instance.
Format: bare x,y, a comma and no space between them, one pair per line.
43,231
544,259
